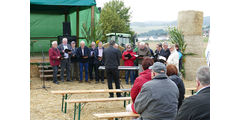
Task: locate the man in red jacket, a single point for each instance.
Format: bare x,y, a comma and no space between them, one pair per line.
54,57
128,58
144,77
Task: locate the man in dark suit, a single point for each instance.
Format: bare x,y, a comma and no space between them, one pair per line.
83,54
197,107
98,61
166,50
74,62
111,59
92,66
65,62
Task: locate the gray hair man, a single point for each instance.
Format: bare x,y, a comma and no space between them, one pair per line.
197,107
142,52
166,50
92,66
65,50
158,99
74,62
54,57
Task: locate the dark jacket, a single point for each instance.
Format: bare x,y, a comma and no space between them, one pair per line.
91,58
53,54
158,53
73,55
196,107
61,48
158,99
178,81
80,55
166,53
96,55
111,57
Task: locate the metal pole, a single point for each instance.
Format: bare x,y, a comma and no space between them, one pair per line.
65,104
79,111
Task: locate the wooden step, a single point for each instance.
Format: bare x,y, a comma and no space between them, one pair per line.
98,100
50,76
45,66
45,71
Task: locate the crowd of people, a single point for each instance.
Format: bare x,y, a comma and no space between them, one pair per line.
157,88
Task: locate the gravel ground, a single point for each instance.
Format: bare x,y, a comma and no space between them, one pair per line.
46,106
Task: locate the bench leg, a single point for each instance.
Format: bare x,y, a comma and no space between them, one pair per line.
66,104
124,102
79,111
129,96
62,102
74,115
192,92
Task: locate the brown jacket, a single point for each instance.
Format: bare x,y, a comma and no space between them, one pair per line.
143,52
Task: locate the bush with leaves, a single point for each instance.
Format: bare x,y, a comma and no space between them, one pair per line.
176,37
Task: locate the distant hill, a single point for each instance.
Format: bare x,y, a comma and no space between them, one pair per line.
142,27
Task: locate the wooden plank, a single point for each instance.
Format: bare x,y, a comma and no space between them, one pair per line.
50,70
89,91
97,100
190,88
50,76
116,115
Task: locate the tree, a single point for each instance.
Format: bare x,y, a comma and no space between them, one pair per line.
115,18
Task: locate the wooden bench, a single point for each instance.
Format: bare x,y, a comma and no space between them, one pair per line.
82,102
66,93
111,116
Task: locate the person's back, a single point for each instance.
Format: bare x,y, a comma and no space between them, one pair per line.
197,107
158,99
111,57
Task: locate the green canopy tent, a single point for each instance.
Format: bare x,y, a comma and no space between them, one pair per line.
47,16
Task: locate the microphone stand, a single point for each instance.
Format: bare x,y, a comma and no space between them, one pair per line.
43,80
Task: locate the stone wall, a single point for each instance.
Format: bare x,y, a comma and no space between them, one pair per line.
190,23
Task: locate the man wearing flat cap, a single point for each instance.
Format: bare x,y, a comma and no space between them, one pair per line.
158,99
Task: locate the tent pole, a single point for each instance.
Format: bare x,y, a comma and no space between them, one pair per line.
77,27
92,18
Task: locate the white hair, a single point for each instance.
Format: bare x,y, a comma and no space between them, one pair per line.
165,43
54,42
82,42
142,43
64,39
172,46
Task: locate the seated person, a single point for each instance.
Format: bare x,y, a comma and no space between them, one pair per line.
144,77
172,74
197,107
158,99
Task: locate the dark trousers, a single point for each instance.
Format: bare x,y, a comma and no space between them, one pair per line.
55,71
65,64
113,73
92,67
131,73
100,73
85,65
75,70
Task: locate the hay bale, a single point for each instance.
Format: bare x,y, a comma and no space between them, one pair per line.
190,22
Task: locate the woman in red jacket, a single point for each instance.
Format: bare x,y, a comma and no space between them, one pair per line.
54,57
144,77
128,58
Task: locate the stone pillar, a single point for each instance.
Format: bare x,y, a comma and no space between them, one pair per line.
190,23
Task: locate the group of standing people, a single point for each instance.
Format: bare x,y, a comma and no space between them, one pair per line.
74,60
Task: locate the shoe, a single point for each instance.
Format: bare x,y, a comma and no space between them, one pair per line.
103,82
69,80
56,82
110,97
127,83
96,82
120,96
80,81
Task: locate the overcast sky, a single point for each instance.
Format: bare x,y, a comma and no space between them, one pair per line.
161,10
